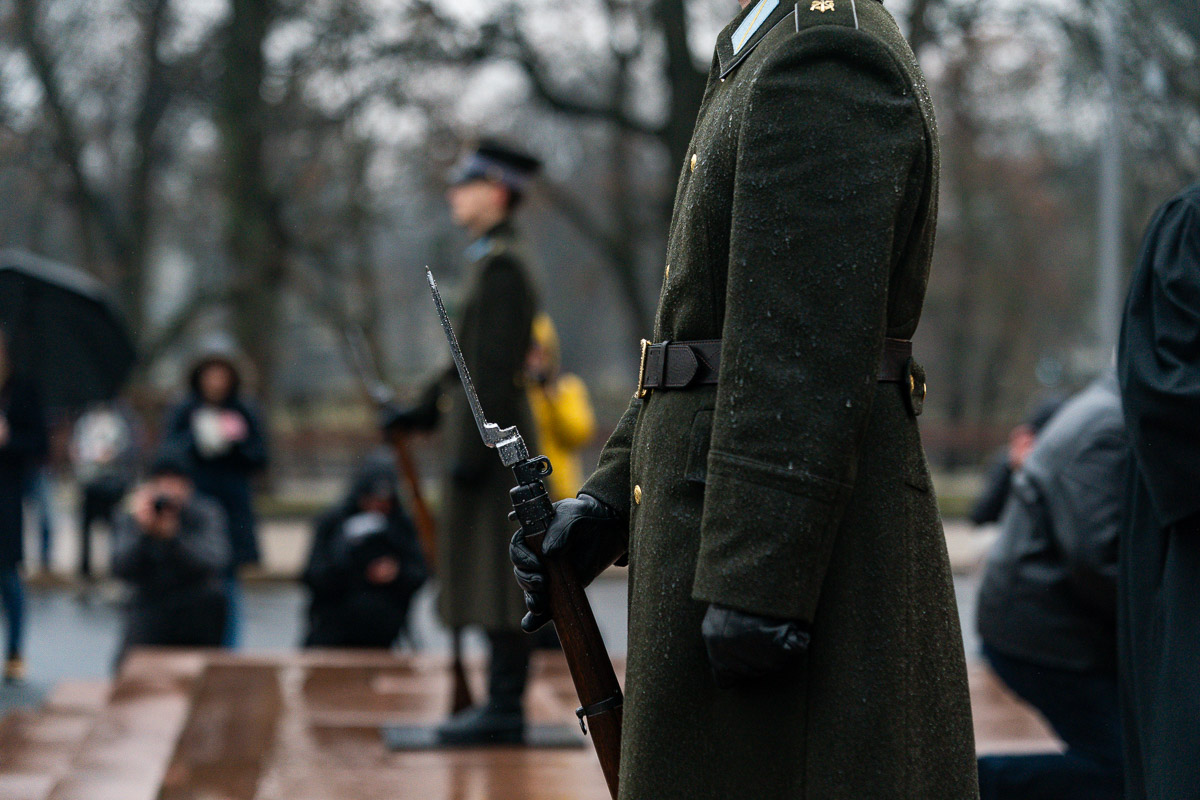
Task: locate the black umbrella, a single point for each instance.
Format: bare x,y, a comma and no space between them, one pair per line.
65,331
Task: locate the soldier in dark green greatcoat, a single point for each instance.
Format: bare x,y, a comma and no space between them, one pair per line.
494,323
792,621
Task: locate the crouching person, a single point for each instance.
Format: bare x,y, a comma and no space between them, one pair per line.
171,546
365,566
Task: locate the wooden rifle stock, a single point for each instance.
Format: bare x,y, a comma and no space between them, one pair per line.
422,517
600,711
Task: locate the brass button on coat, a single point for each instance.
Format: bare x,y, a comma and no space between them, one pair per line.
694,161
637,495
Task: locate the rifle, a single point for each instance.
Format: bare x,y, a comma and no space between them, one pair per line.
591,671
370,380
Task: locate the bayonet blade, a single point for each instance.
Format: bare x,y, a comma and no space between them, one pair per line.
507,441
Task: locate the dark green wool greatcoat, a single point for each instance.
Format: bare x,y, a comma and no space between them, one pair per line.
797,487
493,327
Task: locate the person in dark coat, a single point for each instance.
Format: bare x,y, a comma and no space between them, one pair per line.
494,324
220,432
1047,610
22,446
793,631
998,480
171,547
1158,364
364,567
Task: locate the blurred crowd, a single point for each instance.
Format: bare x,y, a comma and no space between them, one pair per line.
181,518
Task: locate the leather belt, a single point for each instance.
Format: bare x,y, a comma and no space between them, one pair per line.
679,365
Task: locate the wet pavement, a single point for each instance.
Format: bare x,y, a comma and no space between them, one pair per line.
72,636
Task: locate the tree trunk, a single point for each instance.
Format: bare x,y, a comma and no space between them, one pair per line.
254,232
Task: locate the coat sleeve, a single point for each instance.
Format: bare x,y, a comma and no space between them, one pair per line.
1158,360
131,557
996,486
831,139
495,353
610,482
202,548
252,451
1087,512
328,570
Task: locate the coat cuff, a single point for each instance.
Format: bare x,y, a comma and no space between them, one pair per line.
610,485
766,537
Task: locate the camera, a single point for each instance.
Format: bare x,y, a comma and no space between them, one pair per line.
164,503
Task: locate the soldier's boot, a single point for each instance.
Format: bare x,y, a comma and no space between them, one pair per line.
501,720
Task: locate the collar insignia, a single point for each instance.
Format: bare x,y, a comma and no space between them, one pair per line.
751,23
478,248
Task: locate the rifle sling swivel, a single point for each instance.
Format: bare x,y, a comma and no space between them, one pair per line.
596,709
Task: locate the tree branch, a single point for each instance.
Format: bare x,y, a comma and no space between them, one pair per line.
97,207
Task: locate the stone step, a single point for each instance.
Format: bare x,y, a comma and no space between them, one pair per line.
228,736
125,754
37,747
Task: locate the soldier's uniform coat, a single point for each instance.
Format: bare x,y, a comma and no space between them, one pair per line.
797,487
493,327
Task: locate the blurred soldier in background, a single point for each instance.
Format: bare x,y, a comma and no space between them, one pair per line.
998,480
1158,363
364,567
104,451
792,621
562,412
1048,603
22,447
495,318
220,432
171,548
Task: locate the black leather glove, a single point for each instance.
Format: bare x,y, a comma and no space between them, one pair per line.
589,534
745,647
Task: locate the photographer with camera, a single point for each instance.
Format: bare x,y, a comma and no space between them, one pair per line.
365,566
171,547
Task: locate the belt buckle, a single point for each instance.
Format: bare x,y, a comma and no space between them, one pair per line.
642,391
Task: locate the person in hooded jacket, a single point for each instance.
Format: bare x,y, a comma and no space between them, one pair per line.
364,567
562,412
220,431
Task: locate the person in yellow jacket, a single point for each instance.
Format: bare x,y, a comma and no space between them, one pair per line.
562,412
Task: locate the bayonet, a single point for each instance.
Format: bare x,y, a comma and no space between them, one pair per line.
507,441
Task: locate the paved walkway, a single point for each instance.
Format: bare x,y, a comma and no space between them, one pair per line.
182,725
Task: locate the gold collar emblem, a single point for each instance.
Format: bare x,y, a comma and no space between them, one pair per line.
821,5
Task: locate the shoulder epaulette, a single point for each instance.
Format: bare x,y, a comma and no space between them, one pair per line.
810,13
